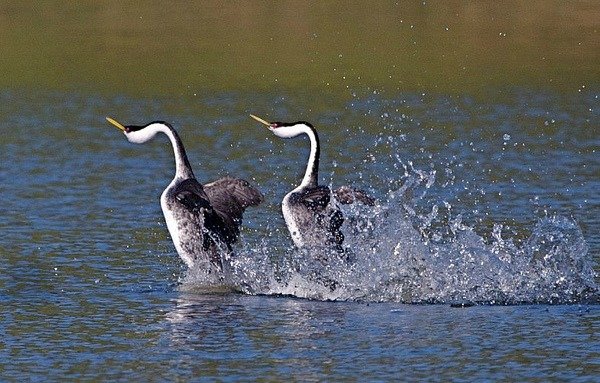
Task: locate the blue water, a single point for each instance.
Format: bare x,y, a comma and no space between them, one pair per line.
491,206
168,336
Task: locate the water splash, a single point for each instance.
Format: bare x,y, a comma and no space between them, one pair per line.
418,248
393,253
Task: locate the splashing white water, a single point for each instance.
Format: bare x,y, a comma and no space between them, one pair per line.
395,254
414,248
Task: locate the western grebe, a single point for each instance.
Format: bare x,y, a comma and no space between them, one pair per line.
312,217
202,219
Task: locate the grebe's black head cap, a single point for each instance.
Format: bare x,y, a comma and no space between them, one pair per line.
135,128
278,124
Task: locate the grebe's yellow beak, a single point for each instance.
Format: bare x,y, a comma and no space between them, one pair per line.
115,123
260,120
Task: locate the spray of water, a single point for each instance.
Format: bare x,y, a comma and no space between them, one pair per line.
394,254
403,253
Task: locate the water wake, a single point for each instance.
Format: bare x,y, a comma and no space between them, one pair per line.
394,253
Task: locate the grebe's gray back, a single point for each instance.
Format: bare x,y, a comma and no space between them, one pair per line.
203,220
313,218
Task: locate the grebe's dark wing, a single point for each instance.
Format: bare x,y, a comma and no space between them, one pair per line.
192,196
347,195
327,216
231,196
315,199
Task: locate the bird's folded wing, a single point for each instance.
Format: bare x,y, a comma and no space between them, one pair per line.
347,195
191,195
314,198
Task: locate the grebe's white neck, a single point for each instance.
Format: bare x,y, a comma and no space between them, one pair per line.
284,130
142,134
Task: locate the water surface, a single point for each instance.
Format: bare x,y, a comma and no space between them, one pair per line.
475,127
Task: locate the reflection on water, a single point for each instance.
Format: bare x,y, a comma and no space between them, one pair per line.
235,335
242,331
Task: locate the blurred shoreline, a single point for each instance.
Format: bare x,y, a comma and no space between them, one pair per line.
147,49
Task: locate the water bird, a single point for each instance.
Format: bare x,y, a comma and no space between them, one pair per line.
312,217
203,220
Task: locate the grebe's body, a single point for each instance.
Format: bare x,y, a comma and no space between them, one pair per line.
203,220
311,212
312,218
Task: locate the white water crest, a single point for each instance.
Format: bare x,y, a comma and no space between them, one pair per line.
395,254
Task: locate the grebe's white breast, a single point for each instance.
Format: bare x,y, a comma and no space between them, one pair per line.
291,220
173,226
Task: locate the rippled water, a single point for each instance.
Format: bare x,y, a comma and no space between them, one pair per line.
480,202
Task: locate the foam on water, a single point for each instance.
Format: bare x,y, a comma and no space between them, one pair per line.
395,254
